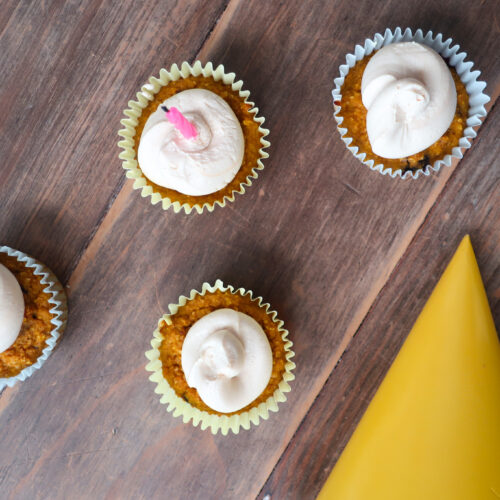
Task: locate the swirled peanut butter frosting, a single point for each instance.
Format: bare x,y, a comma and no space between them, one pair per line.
194,166
11,308
410,97
226,356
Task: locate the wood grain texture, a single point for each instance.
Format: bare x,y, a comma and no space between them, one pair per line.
317,235
65,79
469,204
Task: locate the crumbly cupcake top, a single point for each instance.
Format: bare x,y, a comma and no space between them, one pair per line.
353,113
410,98
36,325
11,308
174,334
201,162
250,127
226,356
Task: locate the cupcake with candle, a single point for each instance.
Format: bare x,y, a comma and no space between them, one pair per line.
32,315
406,104
221,359
192,140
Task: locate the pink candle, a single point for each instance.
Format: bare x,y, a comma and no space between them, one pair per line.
180,122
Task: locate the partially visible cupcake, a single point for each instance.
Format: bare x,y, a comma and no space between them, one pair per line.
192,139
409,107
221,358
32,315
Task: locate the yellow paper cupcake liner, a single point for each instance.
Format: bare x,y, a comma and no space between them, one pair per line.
223,423
59,309
134,111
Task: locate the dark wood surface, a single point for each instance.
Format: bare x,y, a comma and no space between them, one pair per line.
345,396
336,249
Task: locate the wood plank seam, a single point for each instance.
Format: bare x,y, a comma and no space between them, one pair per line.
490,108
118,189
209,33
94,238
321,238
322,405
107,208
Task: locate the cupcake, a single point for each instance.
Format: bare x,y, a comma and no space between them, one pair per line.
32,315
406,104
192,140
221,359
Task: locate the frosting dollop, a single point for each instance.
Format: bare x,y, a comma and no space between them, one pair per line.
11,308
410,97
198,166
226,356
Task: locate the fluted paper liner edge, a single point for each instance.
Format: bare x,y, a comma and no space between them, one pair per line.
451,53
59,310
216,423
134,111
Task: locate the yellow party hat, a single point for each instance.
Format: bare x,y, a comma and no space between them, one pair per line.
432,431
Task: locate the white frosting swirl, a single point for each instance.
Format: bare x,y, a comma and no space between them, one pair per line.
411,99
198,166
226,356
11,308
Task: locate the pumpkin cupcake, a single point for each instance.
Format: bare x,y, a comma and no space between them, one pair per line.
192,140
221,359
406,104
32,315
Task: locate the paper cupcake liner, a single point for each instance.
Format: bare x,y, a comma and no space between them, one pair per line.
456,59
59,310
134,111
224,423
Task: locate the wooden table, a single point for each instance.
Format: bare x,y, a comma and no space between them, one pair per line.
347,257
